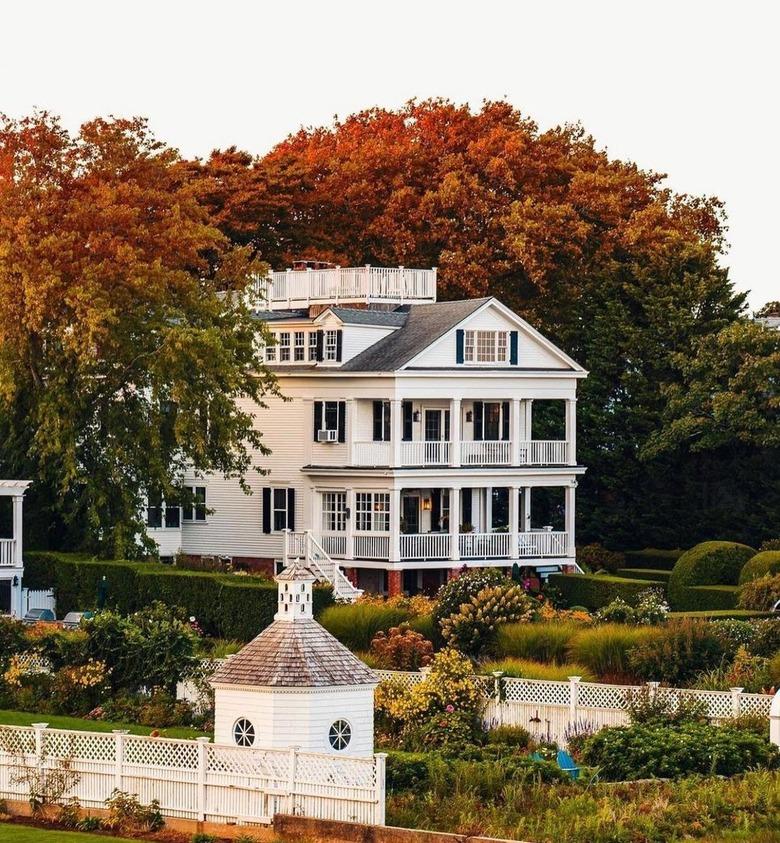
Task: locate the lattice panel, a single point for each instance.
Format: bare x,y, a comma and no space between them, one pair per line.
90,746
342,772
408,680
158,752
16,741
231,760
536,691
592,695
755,704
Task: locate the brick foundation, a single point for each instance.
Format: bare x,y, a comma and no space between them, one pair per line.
394,583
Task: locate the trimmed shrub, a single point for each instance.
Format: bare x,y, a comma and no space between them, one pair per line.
543,642
356,624
700,598
761,594
605,649
596,590
596,557
528,669
651,557
707,563
656,574
766,562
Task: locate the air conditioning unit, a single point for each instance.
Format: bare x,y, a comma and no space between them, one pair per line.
327,436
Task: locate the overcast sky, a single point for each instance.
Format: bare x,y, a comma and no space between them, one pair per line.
686,88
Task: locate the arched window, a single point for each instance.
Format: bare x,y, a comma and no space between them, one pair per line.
339,735
243,732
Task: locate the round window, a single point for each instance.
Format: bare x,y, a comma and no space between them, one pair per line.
243,732
340,734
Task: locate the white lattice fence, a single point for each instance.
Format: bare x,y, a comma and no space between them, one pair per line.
197,779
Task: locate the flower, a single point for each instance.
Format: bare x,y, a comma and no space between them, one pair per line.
450,708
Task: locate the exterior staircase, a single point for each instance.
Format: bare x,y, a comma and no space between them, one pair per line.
304,546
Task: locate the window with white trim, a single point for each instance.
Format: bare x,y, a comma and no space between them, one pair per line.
270,350
196,509
279,509
243,732
372,512
312,345
331,346
339,735
284,347
334,512
485,347
300,346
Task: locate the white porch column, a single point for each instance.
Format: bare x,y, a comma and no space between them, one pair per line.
395,525
514,507
351,429
571,430
569,516
396,422
525,510
454,525
350,554
455,434
18,529
514,433
488,492
528,407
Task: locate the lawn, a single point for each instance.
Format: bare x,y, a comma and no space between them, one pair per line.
27,834
57,721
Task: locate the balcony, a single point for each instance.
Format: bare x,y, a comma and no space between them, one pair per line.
351,285
8,553
483,453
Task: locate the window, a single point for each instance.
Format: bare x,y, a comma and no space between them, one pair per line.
485,347
244,733
339,735
372,512
312,345
332,345
278,508
491,420
270,351
172,514
300,345
330,415
196,510
154,510
284,346
381,421
334,512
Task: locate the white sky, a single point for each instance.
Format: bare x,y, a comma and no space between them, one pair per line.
687,88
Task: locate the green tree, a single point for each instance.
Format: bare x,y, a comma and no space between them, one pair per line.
128,341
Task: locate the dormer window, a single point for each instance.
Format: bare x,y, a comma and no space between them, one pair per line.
332,346
284,347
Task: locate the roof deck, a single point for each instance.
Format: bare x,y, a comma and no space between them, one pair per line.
298,288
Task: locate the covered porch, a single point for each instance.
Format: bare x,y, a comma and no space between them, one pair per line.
11,560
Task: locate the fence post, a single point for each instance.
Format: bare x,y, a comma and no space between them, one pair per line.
380,765
39,727
286,548
497,674
291,780
574,693
774,720
119,756
202,760
735,700
652,690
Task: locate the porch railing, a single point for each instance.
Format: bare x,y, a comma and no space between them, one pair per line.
485,545
334,544
425,545
543,452
486,452
372,546
372,453
543,543
425,453
7,552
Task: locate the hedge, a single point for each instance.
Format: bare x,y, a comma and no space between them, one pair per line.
651,557
645,574
766,562
699,598
707,563
225,605
596,590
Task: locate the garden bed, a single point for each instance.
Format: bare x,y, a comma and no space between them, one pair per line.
58,721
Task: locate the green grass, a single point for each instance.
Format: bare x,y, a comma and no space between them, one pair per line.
720,614
542,642
11,833
58,721
604,648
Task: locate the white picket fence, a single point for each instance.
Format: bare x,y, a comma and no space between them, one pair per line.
196,779
548,710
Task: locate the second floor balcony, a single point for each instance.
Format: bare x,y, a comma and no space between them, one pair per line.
424,453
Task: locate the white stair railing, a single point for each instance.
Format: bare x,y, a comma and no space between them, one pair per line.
304,545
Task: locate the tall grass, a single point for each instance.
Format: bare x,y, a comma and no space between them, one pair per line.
604,648
542,642
528,669
355,624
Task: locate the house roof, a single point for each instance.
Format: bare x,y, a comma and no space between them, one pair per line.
281,315
294,655
378,318
424,324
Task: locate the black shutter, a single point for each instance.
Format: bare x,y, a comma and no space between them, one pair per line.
459,345
317,418
513,348
505,420
291,509
479,415
342,421
386,432
465,506
320,345
408,420
446,425
266,509
378,429
339,344
435,509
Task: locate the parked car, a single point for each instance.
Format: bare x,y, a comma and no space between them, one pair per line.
73,619
38,615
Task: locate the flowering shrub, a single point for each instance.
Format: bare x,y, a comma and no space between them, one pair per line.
78,689
455,593
11,640
473,626
748,672
677,652
651,608
767,639
760,594
618,611
419,604
546,611
734,634
448,732
401,649
596,557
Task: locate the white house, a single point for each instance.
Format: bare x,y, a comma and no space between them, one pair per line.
295,684
407,447
11,562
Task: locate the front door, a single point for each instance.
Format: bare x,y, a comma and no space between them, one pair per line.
410,513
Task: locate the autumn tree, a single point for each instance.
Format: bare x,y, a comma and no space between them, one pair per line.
126,328
599,254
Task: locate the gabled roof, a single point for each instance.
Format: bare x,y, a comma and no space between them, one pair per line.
281,315
294,655
370,316
424,324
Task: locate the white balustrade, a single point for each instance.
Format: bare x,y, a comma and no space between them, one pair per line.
372,453
544,543
486,452
485,545
371,546
334,544
543,452
7,552
425,453
425,545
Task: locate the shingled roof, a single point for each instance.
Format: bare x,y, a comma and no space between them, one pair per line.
424,324
370,316
294,655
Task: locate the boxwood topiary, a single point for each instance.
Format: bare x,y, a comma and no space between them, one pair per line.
766,562
707,563
596,590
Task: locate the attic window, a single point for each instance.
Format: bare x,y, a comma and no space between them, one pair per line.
485,347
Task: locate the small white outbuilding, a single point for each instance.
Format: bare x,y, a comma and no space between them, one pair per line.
295,684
